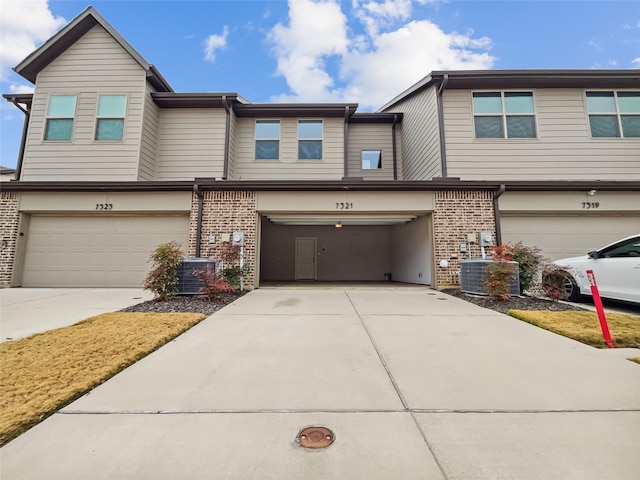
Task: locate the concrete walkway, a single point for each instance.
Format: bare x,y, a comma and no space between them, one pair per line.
25,311
414,384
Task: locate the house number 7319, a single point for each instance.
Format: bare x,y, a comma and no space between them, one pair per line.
590,204
104,206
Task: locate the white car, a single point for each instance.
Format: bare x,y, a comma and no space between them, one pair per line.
616,268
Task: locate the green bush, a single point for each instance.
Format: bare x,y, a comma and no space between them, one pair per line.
162,280
529,260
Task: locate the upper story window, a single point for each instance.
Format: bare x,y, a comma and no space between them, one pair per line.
60,115
310,139
504,115
267,139
371,159
614,114
110,118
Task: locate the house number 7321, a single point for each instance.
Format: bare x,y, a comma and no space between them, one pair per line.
104,206
344,206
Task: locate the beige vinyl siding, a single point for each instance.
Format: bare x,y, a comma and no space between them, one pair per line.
563,150
191,143
420,135
148,145
96,64
231,174
373,137
288,167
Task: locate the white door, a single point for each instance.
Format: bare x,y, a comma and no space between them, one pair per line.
305,258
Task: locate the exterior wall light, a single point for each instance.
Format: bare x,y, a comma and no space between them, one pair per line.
591,192
338,225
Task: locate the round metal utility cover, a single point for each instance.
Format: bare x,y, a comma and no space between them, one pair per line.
316,437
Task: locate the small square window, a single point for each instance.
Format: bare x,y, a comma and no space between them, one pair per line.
371,159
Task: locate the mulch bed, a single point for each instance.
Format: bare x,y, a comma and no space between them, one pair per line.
186,303
514,303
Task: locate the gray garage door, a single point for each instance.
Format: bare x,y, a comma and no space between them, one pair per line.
96,251
562,236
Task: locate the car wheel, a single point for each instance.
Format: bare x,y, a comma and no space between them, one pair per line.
570,288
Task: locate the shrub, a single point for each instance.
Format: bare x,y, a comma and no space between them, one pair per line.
552,286
162,280
212,284
529,261
231,270
500,273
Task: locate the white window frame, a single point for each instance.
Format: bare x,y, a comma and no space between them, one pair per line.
617,113
110,117
320,139
504,115
266,139
56,117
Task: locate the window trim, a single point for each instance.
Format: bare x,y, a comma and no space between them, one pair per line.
503,116
54,117
320,139
110,117
267,139
617,113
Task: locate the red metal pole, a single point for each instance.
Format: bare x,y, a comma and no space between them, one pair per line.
597,301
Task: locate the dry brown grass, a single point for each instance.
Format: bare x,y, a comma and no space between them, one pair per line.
42,373
584,326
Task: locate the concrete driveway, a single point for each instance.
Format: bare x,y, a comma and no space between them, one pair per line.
413,383
25,311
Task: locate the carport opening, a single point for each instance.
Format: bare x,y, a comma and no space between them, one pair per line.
320,248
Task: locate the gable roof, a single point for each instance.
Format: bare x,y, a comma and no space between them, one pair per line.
506,79
71,33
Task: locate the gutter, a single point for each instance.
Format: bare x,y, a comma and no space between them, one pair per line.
443,148
346,142
496,213
393,142
227,134
200,194
23,138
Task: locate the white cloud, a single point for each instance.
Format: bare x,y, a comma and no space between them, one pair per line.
392,53
595,45
635,61
19,88
23,26
316,31
215,42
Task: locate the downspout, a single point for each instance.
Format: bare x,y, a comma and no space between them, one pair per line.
200,194
395,152
496,213
23,139
227,133
443,148
346,142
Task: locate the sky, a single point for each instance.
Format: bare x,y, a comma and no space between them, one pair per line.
362,51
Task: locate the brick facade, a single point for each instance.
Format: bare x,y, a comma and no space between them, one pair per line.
225,212
456,214
9,222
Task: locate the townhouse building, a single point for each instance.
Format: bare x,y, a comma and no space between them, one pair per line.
114,162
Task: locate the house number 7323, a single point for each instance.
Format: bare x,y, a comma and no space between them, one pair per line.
344,206
104,206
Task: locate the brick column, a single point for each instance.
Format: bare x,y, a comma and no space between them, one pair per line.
456,214
9,222
225,212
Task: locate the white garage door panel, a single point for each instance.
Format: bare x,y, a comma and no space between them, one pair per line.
105,251
561,236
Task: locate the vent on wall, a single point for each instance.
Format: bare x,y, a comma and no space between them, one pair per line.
474,272
188,283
